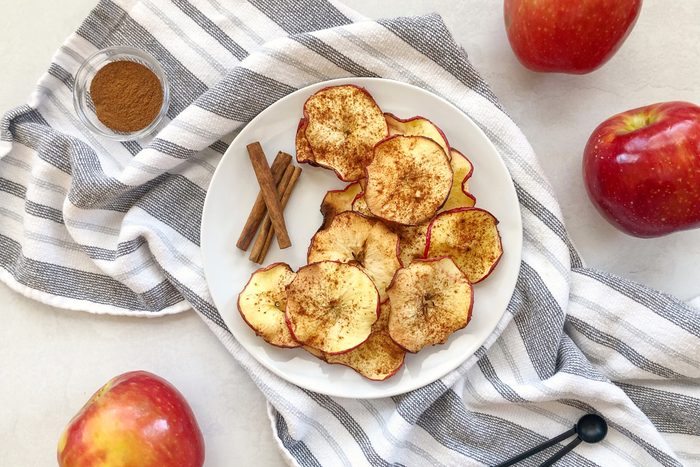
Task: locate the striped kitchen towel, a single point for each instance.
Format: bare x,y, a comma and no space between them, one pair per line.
106,227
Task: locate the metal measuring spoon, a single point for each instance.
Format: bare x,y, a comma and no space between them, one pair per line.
590,428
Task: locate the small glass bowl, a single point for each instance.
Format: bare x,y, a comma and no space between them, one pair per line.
82,101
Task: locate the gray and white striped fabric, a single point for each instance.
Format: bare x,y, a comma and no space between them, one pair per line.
108,227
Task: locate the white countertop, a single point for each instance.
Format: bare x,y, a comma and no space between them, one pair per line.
53,360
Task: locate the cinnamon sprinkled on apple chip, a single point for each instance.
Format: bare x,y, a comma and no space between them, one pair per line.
343,123
470,237
408,180
263,301
355,239
430,299
331,306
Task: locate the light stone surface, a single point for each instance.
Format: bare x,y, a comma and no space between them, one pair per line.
53,360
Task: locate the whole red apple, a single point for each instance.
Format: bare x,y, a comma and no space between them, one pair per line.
642,169
569,36
136,419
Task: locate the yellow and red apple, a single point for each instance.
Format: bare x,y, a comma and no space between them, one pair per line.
136,419
642,169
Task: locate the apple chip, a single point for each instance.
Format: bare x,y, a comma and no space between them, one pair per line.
343,123
461,172
263,301
470,237
331,306
408,180
337,201
359,205
411,241
462,168
303,149
417,126
355,239
430,299
315,352
379,357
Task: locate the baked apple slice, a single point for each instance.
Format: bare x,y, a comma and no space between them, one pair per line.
263,301
337,201
355,239
304,154
379,357
343,123
430,299
315,352
459,197
411,241
417,126
462,168
359,205
408,180
331,306
470,237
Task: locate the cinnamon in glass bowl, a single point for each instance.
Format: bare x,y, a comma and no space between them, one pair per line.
121,93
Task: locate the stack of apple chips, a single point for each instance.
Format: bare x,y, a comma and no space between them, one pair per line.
392,266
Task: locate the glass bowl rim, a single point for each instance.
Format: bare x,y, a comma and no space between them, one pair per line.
104,56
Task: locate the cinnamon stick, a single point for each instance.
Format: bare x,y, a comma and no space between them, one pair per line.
266,224
267,187
285,198
258,211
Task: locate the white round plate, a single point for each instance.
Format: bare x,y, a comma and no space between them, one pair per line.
234,188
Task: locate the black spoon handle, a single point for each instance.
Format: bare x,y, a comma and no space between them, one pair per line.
539,448
561,453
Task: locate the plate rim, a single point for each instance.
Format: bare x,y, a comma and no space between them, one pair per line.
360,81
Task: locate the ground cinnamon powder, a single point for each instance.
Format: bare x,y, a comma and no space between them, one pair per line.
127,96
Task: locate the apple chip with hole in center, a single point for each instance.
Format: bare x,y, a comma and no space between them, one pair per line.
461,172
343,123
417,126
470,237
379,357
263,301
408,180
331,306
430,299
337,201
355,239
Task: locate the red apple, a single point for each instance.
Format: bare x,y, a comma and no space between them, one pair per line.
136,419
569,36
642,169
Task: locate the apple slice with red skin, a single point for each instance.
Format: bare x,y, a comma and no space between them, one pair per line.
343,123
337,201
462,168
378,358
417,126
408,180
411,241
430,299
470,237
315,352
303,149
459,197
262,304
331,306
355,239
359,205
